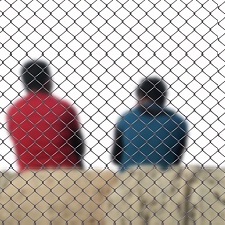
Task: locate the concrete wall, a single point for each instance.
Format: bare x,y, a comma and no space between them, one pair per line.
144,195
183,196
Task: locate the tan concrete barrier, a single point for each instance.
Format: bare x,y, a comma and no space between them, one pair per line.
150,196
184,196
5,178
206,198
56,197
144,195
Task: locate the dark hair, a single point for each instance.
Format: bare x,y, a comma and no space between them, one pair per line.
153,88
36,75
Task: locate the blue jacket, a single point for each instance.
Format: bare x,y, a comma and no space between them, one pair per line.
149,135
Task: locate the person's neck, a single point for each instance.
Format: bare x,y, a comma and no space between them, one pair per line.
145,101
42,91
148,101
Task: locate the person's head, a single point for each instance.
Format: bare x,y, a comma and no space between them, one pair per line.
152,89
36,76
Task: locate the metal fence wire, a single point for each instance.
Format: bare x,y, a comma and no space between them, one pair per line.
98,53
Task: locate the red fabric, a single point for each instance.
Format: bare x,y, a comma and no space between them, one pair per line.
41,127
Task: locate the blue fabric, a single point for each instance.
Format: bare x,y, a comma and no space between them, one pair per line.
151,139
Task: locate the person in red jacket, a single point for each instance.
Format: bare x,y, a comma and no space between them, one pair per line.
45,130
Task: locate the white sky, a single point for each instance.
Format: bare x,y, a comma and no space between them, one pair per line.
99,51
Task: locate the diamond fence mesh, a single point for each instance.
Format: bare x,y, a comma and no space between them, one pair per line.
98,52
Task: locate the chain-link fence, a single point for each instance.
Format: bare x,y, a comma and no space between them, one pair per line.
98,53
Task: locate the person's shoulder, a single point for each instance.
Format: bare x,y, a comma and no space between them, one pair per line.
176,117
17,104
54,99
65,104
128,116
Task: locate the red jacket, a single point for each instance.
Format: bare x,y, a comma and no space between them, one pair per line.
42,128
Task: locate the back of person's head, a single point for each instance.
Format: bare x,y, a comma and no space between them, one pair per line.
152,88
36,76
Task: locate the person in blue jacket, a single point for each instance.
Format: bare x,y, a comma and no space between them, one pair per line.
150,133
